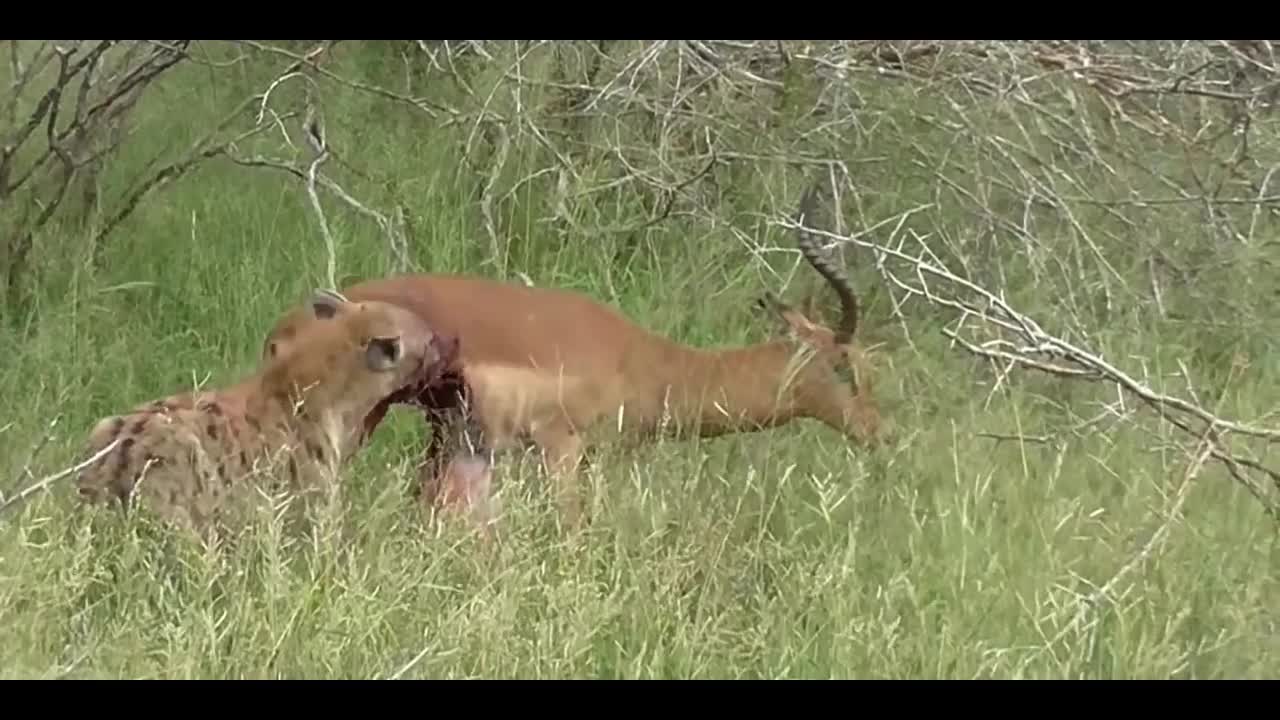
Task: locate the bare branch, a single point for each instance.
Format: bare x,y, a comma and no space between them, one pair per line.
311,61
313,129
1036,341
51,479
78,135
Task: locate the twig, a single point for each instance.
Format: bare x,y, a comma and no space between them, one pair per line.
40,485
392,227
314,131
486,196
310,61
1040,439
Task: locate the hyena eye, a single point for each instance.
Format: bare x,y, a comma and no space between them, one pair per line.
383,353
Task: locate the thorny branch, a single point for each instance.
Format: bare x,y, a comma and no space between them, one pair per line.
82,126
311,62
1033,347
51,479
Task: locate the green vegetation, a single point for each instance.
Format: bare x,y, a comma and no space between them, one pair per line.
948,553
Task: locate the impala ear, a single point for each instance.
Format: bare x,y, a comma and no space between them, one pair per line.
326,303
382,353
791,322
772,304
781,312
810,307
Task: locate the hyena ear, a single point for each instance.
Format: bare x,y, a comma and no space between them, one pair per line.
382,353
326,303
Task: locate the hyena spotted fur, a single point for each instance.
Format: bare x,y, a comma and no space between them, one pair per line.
292,423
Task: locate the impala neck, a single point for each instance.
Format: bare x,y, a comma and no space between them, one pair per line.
711,392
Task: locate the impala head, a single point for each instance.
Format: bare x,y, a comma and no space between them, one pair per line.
830,375
360,353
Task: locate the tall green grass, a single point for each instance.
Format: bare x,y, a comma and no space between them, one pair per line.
781,554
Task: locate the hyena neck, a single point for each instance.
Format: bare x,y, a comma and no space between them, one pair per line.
314,417
336,429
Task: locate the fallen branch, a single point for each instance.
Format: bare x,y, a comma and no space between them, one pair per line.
1036,343
46,482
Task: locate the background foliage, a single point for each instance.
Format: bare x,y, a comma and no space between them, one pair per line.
1066,255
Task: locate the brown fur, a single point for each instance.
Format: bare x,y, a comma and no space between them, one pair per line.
546,365
301,414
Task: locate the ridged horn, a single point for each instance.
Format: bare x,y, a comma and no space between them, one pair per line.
810,214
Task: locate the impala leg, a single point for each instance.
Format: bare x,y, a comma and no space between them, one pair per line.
443,408
429,470
459,476
561,455
466,486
